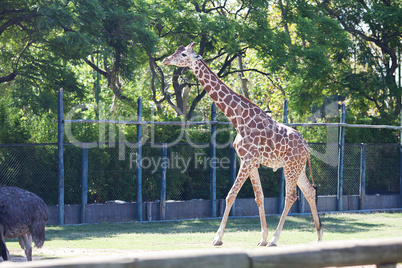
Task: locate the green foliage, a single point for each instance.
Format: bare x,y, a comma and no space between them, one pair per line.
304,51
374,28
369,135
13,129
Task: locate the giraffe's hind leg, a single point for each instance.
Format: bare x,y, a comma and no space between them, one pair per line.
310,194
291,196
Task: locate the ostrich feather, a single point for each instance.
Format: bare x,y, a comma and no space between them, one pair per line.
21,213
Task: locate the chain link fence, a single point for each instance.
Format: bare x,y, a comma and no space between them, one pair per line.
383,168
31,167
112,176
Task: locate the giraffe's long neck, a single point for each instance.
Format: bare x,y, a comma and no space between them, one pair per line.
236,107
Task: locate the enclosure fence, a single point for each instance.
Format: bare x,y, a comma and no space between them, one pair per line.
82,173
34,167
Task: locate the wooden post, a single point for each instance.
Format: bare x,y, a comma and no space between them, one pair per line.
139,157
281,202
340,160
60,156
362,194
232,175
213,162
84,183
162,209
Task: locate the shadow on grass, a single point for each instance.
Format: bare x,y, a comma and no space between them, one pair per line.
341,225
331,223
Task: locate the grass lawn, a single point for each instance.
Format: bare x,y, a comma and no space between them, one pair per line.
114,239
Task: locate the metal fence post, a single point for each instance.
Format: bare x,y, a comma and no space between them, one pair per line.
362,194
282,179
162,209
340,160
84,183
60,156
139,157
400,166
232,175
213,161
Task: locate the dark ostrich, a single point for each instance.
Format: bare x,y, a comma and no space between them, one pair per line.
22,214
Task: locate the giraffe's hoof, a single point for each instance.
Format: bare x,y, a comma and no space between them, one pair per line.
262,244
271,244
217,242
320,235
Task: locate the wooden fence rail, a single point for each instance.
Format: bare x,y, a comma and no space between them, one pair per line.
381,252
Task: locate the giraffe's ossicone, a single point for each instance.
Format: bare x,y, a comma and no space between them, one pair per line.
259,140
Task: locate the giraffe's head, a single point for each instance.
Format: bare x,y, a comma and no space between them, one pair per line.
183,57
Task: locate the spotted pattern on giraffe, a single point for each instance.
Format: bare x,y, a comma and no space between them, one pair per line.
259,140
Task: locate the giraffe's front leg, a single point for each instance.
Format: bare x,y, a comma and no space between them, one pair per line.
229,202
259,199
231,197
219,234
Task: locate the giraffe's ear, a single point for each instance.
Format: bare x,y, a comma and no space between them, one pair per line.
180,48
197,57
190,47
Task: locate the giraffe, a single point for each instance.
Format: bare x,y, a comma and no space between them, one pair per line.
259,140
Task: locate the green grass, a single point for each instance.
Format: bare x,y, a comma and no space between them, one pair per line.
127,238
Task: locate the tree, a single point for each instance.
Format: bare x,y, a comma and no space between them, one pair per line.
114,32
44,41
376,30
218,27
31,71
311,52
17,34
302,50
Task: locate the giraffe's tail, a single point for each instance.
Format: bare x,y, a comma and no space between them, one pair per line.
311,172
312,180
316,199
